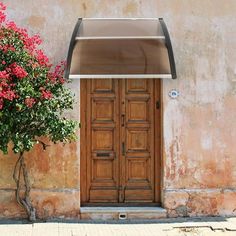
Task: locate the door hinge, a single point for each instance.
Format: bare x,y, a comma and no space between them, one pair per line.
158,105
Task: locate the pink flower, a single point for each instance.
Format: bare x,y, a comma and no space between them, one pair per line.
7,94
2,14
6,48
11,48
42,58
29,102
2,7
4,75
2,17
58,73
18,71
12,25
46,94
62,80
30,43
36,39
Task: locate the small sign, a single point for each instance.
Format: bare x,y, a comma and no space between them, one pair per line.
174,93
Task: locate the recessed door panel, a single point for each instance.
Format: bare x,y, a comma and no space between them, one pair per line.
137,140
103,139
138,85
103,86
103,110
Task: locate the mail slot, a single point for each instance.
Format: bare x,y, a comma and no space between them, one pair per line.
103,154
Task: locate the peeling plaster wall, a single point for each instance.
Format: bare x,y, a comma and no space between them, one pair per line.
199,130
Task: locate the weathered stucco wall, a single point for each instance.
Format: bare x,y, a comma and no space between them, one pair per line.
199,154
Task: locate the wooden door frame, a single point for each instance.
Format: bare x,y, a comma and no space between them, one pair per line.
158,144
158,139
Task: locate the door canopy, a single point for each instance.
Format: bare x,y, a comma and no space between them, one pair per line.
120,48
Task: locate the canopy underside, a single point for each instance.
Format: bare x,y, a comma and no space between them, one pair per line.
120,48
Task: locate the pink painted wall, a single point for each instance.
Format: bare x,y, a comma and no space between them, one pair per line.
199,130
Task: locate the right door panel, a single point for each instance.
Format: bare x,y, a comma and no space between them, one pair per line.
137,138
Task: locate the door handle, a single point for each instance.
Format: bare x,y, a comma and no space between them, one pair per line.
123,120
123,149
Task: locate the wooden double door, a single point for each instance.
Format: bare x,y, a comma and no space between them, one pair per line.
120,141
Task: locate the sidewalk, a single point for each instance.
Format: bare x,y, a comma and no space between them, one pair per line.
171,227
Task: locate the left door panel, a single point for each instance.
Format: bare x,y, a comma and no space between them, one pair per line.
102,146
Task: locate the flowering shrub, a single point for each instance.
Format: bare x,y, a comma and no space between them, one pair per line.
32,98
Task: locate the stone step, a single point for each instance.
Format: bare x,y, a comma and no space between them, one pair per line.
122,213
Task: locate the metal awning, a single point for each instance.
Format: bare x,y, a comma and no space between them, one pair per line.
120,48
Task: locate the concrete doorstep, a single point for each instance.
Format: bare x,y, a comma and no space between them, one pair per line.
170,227
122,213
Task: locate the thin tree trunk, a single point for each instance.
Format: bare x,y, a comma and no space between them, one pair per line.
23,199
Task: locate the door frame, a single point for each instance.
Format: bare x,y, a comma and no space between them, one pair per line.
158,142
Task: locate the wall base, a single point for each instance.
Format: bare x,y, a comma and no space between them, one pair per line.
48,203
200,202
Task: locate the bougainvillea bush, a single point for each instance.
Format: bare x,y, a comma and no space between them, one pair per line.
33,97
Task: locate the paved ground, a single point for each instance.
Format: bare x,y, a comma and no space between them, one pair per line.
170,227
